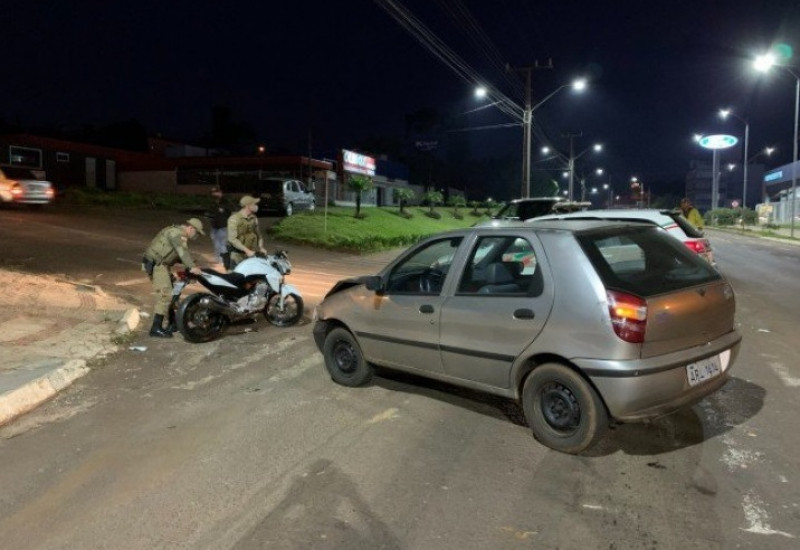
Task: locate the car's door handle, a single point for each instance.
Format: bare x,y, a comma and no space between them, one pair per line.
426,308
524,314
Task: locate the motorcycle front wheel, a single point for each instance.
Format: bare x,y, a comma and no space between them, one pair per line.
197,322
291,313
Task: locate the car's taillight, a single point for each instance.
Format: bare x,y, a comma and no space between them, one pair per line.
698,245
628,316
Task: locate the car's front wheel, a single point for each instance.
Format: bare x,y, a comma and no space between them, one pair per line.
563,409
344,360
289,209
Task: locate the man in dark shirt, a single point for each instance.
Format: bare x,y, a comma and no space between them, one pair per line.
218,216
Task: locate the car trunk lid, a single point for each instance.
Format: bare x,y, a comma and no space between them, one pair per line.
688,317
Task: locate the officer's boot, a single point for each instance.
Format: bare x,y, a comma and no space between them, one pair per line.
226,261
157,329
172,326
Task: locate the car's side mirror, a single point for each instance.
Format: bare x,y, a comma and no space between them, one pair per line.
374,283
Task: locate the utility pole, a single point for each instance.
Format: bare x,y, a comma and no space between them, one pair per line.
571,165
527,121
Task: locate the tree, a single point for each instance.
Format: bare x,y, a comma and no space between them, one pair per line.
402,195
359,184
433,198
457,201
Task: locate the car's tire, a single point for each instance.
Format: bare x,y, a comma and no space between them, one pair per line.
344,360
289,210
563,409
312,206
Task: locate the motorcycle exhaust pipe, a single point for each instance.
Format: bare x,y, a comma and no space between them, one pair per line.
219,305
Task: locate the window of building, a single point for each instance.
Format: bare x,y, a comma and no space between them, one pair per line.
25,156
62,157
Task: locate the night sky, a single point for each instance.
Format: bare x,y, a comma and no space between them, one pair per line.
341,71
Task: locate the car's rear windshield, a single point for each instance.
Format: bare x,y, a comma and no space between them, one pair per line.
644,260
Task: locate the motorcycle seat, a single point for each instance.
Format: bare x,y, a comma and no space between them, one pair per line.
236,279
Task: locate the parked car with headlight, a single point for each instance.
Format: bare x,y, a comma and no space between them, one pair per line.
672,221
582,321
22,186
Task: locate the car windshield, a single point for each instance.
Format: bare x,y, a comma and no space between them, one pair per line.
644,260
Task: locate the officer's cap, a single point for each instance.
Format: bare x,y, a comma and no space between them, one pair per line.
197,224
248,200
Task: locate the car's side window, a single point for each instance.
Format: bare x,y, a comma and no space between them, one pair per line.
501,265
425,270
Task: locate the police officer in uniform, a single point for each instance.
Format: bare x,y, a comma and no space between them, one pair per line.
244,238
169,247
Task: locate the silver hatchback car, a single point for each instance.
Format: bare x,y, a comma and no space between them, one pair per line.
581,321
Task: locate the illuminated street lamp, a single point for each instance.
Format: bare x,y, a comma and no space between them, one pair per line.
527,120
571,163
725,113
763,63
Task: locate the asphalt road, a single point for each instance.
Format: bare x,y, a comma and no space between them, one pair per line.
246,443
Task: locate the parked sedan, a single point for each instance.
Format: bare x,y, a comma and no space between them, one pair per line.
581,321
22,186
671,221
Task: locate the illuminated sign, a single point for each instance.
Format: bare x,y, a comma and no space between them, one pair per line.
718,141
774,176
358,163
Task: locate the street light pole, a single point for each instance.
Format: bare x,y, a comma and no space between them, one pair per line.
763,63
724,113
794,159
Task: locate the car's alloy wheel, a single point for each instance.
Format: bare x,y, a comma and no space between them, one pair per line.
563,410
344,360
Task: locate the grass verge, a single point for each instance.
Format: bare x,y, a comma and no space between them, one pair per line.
376,229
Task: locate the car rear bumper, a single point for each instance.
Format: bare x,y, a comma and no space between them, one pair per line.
649,388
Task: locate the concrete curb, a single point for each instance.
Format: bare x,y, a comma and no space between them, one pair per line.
32,394
25,398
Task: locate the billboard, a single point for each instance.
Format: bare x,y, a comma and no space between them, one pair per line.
357,163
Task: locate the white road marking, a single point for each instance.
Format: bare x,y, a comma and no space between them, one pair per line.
757,518
786,377
388,414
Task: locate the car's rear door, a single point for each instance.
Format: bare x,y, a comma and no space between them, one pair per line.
486,324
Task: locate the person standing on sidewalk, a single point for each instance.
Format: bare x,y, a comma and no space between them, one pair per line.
218,215
691,213
170,246
244,238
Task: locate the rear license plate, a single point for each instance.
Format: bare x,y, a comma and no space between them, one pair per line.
703,370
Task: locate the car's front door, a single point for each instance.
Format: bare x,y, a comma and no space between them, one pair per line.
500,305
403,321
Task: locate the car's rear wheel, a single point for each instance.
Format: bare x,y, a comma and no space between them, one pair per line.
563,409
344,360
289,209
312,206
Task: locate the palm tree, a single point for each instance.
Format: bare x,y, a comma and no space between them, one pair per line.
457,201
402,195
359,184
433,198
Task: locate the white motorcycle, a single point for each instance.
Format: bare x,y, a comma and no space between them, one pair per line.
255,286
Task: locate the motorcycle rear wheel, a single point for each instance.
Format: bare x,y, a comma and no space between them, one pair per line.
197,322
291,313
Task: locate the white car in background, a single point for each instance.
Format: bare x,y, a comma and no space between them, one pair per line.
670,220
23,186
